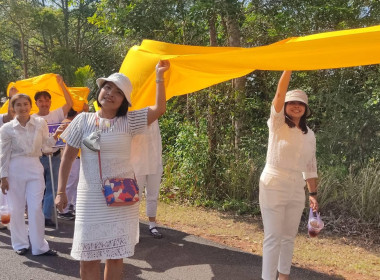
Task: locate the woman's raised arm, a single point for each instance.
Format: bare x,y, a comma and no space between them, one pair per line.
159,108
282,88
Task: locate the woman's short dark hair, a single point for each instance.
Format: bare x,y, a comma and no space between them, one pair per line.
19,96
291,124
123,109
39,94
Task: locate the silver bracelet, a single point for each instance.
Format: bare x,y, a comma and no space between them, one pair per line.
159,81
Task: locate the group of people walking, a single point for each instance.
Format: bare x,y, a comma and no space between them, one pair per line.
130,145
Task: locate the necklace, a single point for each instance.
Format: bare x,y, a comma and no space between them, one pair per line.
105,125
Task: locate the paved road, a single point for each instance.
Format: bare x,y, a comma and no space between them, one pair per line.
177,256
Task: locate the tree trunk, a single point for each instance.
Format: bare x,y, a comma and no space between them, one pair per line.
65,10
212,28
211,115
23,49
24,55
77,43
238,84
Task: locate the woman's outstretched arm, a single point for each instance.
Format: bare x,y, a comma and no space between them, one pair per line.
159,108
282,88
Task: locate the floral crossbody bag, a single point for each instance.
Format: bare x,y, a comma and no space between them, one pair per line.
117,191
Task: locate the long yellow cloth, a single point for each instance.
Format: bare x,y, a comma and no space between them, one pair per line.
194,68
48,82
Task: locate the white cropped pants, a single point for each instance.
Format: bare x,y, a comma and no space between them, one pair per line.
151,183
27,185
282,200
72,185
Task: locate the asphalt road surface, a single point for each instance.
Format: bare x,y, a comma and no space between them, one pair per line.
177,256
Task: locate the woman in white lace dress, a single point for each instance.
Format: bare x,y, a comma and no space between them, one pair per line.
290,165
102,232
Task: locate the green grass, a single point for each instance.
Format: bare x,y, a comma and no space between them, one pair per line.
352,193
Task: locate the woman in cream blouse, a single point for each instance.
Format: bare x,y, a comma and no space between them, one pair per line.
21,173
290,165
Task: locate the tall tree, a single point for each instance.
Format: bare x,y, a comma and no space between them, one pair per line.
16,19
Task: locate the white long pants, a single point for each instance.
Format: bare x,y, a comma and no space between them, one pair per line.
72,185
27,184
151,183
282,200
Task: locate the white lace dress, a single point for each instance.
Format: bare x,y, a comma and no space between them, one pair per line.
103,232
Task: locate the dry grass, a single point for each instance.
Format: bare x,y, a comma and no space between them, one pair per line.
352,257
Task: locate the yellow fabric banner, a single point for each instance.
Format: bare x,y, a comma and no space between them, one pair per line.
194,68
48,82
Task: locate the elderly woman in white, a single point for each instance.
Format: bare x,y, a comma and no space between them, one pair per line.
22,140
290,162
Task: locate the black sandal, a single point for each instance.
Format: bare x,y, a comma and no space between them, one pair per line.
49,253
154,232
22,251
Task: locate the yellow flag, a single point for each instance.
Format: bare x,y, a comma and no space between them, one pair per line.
194,68
48,82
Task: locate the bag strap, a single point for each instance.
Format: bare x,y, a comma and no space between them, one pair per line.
99,159
97,125
100,167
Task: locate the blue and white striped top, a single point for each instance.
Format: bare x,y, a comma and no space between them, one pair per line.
85,123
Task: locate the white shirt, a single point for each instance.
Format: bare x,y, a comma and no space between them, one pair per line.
289,148
17,140
1,120
146,151
54,117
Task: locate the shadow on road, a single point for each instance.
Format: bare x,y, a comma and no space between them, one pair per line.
183,256
176,256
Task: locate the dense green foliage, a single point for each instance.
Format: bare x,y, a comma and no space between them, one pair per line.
215,140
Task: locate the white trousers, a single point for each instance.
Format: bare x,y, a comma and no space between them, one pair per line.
282,200
28,187
151,184
72,185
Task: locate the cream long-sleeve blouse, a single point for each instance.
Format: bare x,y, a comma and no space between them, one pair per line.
146,151
289,148
29,141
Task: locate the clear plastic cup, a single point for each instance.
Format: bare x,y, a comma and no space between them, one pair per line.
315,223
4,210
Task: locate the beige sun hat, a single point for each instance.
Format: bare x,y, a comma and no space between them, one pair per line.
298,95
121,81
